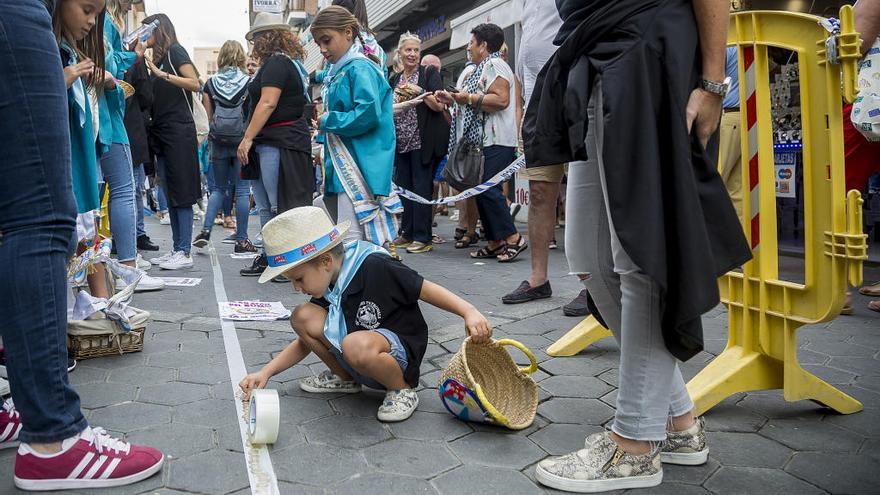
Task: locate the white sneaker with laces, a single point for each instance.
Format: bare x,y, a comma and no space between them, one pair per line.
142,263
328,383
398,405
146,284
165,220
178,261
163,258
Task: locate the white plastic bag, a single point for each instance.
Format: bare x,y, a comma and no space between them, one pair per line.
866,109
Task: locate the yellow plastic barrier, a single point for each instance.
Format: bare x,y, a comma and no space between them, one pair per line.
765,312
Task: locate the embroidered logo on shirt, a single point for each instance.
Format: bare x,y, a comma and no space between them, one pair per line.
368,315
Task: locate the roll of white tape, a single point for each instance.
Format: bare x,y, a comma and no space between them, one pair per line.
265,416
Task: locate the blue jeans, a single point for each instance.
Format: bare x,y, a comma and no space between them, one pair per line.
397,352
37,222
117,170
492,204
266,187
226,170
161,201
181,218
139,178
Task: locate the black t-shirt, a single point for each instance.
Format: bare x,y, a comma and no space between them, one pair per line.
169,102
279,72
384,293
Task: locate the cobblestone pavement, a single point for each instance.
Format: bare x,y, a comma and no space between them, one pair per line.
176,395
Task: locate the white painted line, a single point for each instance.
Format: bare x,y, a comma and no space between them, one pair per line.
259,465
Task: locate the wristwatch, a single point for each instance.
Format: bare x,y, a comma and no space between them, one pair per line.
716,88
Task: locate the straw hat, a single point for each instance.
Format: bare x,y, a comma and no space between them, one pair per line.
266,21
296,236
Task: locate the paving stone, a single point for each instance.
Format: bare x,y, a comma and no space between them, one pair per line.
318,464
559,439
579,365
833,376
179,337
871,448
492,449
383,483
800,434
691,475
578,411
94,395
214,471
160,346
837,473
868,398
209,412
174,393
858,365
864,423
869,382
430,426
117,362
747,450
168,316
771,404
586,387
209,375
411,458
727,416
611,377
210,346
141,375
229,437
83,374
130,416
670,488
362,405
177,440
346,431
752,480
429,401
297,488
179,359
842,349
495,480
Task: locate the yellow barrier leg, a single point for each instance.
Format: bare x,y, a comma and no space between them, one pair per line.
579,338
800,384
735,370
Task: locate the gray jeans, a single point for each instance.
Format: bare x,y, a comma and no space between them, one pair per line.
651,386
340,208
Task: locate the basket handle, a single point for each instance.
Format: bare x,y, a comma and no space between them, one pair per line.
533,367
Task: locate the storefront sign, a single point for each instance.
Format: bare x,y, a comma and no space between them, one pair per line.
432,29
274,6
786,174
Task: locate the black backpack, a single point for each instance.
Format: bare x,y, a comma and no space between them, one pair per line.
228,121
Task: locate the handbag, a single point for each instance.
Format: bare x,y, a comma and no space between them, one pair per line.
199,114
866,108
251,171
464,166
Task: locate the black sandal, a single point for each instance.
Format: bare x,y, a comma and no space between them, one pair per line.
486,252
466,241
459,233
513,250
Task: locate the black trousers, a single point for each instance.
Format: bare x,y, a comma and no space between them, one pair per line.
492,205
412,174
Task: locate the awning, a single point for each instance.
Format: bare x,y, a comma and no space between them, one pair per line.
503,13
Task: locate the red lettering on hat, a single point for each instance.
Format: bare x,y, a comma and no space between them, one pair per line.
308,249
279,259
333,235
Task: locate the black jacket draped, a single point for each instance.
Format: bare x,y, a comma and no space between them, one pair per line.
668,204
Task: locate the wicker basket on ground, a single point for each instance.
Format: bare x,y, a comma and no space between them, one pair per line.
98,336
482,383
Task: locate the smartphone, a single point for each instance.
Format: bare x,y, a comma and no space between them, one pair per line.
452,89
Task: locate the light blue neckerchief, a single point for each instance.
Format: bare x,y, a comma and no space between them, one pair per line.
356,252
77,91
229,82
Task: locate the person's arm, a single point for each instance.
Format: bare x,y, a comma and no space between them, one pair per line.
497,96
867,17
363,116
187,78
475,324
518,93
435,83
295,352
208,104
269,96
704,108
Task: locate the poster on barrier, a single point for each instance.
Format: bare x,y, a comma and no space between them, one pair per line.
786,174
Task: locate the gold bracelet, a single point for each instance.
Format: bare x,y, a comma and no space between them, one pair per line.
470,99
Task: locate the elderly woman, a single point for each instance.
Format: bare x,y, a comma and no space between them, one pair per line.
486,112
422,138
277,95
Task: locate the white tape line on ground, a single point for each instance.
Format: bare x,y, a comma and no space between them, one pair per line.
259,465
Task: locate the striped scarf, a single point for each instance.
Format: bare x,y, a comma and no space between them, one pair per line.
465,115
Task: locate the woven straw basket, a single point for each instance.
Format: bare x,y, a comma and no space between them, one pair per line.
482,383
98,336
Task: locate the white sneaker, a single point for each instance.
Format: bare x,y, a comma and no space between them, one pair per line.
178,261
398,405
258,242
165,220
4,387
142,263
146,284
328,383
162,259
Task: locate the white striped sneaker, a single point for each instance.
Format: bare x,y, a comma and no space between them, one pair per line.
10,425
92,459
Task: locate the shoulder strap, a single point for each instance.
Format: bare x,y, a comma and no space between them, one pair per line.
174,69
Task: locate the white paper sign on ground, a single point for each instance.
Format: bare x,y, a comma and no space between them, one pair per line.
253,311
180,281
274,6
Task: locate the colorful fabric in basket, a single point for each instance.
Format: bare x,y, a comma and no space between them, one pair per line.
463,403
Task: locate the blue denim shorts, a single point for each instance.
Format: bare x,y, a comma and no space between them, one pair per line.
397,352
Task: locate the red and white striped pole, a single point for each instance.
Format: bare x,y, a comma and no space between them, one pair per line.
751,107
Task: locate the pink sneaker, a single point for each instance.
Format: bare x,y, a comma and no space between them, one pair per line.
10,425
93,459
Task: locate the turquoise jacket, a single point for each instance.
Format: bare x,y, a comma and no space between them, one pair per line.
83,156
112,105
359,110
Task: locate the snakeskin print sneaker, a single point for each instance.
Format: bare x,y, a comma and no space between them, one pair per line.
600,466
686,448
